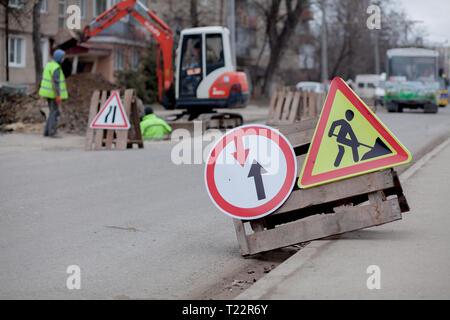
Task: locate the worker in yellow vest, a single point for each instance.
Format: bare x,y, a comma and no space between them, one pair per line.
53,87
152,127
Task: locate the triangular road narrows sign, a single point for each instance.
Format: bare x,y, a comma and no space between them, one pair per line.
112,115
349,140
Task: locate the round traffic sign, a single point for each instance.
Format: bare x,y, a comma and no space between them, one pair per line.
250,171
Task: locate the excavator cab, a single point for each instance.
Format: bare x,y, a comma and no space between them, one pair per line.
205,76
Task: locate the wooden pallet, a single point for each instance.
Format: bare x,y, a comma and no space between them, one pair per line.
292,105
105,139
334,208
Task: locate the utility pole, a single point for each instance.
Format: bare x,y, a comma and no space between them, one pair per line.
231,22
376,52
324,49
7,40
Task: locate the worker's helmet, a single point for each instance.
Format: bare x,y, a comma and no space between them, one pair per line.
148,110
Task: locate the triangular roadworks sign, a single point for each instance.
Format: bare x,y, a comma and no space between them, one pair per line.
349,140
112,115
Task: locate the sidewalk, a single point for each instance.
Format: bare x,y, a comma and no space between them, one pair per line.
413,254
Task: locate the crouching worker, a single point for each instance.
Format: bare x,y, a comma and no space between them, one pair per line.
53,87
154,128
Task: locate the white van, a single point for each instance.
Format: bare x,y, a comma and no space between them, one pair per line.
366,85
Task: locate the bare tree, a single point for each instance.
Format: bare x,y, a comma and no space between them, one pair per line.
281,19
194,13
37,40
353,48
17,15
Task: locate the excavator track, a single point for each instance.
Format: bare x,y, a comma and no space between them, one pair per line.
213,120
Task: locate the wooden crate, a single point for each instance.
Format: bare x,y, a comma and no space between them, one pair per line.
291,105
334,208
106,139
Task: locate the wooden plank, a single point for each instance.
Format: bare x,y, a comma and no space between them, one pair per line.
333,191
240,235
122,135
344,219
273,100
257,225
109,139
98,136
304,108
295,127
320,103
301,137
293,115
93,110
287,105
300,159
312,104
279,107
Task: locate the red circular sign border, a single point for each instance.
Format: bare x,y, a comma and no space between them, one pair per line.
275,202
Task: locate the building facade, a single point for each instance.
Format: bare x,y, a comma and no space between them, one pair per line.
121,46
117,48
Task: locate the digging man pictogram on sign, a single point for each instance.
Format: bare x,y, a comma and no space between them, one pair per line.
378,149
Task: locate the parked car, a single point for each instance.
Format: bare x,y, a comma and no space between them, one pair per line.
311,86
379,94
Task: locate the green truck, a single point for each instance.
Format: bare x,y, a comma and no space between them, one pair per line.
412,80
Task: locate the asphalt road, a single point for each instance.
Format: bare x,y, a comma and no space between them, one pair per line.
411,257
136,224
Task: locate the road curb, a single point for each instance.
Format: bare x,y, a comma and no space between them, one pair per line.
423,160
270,283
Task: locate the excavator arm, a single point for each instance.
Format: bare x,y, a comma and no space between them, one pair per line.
160,31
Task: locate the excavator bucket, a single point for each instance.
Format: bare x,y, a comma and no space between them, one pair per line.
67,39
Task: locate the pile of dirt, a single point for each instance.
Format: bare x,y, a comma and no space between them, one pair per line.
74,111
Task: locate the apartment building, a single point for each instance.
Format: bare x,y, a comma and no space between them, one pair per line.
121,46
117,48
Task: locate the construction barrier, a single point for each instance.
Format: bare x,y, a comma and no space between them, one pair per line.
289,105
107,139
329,209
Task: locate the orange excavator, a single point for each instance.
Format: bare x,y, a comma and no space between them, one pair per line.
206,78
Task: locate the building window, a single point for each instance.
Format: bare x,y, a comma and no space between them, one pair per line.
15,3
45,51
16,47
118,59
44,6
82,5
135,59
100,7
61,14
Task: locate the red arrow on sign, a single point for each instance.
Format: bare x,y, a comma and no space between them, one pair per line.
241,154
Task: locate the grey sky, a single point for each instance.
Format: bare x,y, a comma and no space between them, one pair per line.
435,15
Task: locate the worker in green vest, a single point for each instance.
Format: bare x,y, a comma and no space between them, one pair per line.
152,127
53,87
